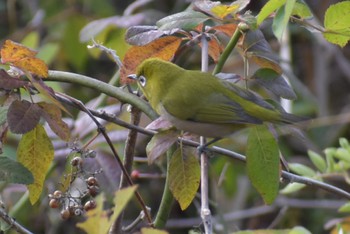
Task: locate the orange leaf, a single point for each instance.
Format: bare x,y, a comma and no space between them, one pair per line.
23,58
227,29
163,48
215,49
33,65
12,52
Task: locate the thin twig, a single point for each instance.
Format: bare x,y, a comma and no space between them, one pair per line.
260,210
205,210
12,223
128,161
101,129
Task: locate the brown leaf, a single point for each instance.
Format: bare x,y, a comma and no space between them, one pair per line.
52,114
163,48
23,116
8,82
215,49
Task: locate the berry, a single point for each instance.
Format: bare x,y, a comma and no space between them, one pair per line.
54,203
91,181
135,174
76,161
93,190
65,214
57,194
89,205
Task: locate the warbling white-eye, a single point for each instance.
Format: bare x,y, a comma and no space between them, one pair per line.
200,103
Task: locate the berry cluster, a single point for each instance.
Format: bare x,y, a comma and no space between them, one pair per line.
74,202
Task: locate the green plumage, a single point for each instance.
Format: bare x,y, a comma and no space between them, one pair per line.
201,103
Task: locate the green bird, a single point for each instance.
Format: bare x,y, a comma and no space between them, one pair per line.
200,103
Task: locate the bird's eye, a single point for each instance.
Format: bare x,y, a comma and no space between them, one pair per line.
142,81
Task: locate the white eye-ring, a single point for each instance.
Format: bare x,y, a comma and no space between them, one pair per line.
142,81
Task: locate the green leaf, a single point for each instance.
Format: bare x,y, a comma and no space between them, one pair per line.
3,114
330,152
337,23
14,172
268,9
185,20
292,188
280,22
317,160
345,208
160,143
343,154
184,176
302,10
301,169
299,230
35,152
344,143
263,162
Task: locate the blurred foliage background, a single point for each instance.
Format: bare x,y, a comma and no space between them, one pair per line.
322,82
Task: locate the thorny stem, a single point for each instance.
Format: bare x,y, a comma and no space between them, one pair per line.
116,156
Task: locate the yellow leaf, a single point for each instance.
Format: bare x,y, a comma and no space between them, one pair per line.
152,231
222,11
121,199
98,220
184,176
12,52
35,152
23,58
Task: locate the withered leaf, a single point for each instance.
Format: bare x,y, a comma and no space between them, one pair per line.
23,116
8,82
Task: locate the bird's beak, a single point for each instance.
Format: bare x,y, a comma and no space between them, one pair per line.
132,76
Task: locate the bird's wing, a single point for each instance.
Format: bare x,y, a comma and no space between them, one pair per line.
223,110
215,108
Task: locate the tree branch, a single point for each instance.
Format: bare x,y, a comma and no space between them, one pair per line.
12,223
289,177
103,87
